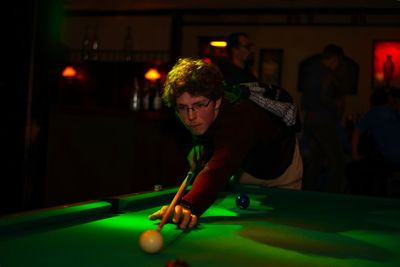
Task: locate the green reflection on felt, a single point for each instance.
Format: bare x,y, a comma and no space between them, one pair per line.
220,212
128,221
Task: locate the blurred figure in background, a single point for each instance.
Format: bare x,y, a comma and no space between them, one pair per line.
376,145
388,70
321,101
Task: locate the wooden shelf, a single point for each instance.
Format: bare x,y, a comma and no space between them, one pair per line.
120,56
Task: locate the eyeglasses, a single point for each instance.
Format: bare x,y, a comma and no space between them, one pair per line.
196,107
247,46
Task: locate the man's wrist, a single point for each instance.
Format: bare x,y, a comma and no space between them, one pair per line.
185,204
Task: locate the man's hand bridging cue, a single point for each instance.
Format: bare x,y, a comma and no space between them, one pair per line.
181,216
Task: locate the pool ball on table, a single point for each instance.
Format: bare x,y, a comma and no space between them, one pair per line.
151,241
242,201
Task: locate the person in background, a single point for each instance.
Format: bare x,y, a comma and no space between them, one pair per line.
388,70
320,102
237,139
238,67
376,145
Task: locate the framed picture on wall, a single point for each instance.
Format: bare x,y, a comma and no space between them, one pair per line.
386,64
270,66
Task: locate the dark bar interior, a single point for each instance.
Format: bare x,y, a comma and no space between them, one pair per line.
99,129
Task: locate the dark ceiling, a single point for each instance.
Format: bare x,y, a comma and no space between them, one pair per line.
148,5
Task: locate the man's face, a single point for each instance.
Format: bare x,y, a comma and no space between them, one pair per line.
245,50
197,112
334,62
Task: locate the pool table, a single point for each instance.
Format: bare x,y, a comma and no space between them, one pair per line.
280,228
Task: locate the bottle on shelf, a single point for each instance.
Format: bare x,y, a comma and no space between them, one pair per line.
85,53
94,46
157,96
146,96
136,98
157,101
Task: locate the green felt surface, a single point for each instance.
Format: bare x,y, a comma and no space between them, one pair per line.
280,228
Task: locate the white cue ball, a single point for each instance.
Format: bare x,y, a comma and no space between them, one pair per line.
151,241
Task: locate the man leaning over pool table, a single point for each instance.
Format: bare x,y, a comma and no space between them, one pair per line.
230,138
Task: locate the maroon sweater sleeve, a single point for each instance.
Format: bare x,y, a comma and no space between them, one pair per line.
235,133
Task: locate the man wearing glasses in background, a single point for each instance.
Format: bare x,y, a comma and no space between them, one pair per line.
239,139
238,67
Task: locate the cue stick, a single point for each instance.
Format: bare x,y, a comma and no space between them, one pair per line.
177,196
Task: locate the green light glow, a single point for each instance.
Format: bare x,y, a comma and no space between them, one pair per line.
128,222
220,212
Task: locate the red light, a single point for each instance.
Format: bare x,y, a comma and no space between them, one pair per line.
69,72
207,60
152,74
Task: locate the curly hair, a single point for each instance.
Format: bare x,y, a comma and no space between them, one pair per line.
194,76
